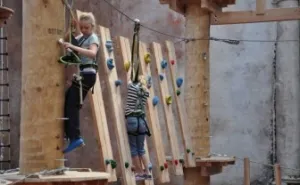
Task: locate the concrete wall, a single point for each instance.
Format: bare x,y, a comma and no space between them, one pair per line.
245,82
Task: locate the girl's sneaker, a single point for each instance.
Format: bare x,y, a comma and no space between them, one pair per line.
139,177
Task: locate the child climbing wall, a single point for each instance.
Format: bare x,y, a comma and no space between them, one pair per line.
86,47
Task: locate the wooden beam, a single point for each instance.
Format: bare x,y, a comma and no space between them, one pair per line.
246,171
210,6
180,105
277,174
240,17
260,7
167,108
42,106
117,111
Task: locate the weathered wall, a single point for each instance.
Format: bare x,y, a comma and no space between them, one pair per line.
242,85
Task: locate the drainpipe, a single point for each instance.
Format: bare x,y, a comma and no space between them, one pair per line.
287,93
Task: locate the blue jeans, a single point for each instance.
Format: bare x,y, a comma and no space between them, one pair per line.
136,142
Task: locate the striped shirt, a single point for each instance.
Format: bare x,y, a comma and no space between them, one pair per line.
136,99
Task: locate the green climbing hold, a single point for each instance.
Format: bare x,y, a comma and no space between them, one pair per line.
181,161
147,58
113,164
193,154
107,162
178,92
161,168
126,164
127,66
188,151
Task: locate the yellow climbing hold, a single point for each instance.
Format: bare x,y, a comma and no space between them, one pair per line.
127,66
169,100
147,58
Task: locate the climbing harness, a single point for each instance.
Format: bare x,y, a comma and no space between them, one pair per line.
139,111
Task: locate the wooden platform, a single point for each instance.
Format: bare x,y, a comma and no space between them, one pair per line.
68,176
209,165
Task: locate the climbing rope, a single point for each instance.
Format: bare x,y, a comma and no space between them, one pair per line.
135,59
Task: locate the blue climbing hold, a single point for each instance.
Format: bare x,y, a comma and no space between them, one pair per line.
155,100
109,45
118,82
161,77
164,64
110,64
150,167
179,82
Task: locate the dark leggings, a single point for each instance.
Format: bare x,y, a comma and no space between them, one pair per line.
72,105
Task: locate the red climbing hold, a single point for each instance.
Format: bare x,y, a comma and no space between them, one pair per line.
166,165
172,62
176,162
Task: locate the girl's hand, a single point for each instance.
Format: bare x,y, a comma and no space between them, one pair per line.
67,45
74,22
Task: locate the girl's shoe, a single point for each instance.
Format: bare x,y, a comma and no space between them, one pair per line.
139,177
74,144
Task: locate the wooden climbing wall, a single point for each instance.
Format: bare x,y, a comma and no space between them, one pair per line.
101,127
166,100
125,48
180,106
115,100
41,140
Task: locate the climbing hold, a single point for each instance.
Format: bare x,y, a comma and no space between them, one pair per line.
113,164
179,82
150,166
107,162
176,162
149,82
126,164
188,151
172,62
132,168
127,66
147,58
161,77
161,168
109,45
110,64
164,64
155,100
118,82
169,100
181,161
193,154
166,165
178,92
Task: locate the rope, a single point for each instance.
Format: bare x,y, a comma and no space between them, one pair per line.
135,59
181,39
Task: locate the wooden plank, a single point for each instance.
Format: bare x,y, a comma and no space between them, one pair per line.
180,105
117,110
41,140
168,113
246,171
270,15
260,7
210,6
125,49
153,121
277,174
100,125
101,129
196,86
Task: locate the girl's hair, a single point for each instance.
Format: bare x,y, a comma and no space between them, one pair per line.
88,17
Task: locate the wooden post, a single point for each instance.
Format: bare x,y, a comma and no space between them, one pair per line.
246,171
277,174
197,85
41,141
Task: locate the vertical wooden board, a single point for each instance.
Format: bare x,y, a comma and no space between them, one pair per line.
117,110
180,106
169,117
41,140
260,7
124,45
101,129
153,120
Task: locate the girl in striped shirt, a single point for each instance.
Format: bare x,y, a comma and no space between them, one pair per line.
137,126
